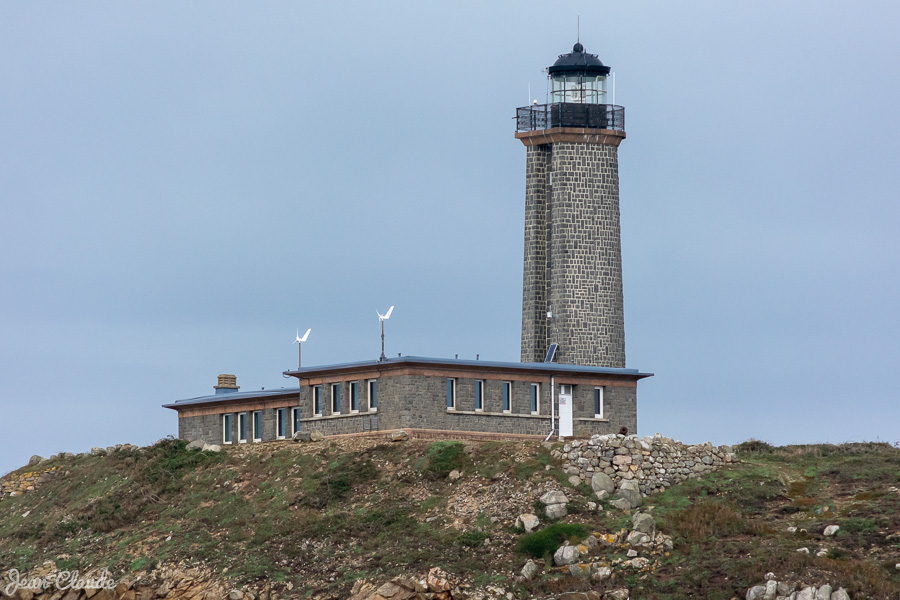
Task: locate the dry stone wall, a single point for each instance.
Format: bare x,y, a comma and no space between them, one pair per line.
655,462
19,483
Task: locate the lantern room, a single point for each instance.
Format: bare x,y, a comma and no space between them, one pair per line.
578,77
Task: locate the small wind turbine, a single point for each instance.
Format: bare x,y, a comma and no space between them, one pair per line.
383,318
299,341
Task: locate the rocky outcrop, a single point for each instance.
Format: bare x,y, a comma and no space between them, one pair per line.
653,462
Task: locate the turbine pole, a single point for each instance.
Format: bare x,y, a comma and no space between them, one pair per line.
383,357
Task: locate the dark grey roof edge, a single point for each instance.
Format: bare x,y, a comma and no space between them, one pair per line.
517,366
233,396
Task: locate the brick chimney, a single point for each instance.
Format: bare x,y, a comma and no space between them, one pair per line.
227,384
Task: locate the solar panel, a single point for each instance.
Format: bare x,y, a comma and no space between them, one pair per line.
551,353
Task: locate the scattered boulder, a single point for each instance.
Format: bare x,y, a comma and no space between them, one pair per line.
602,495
194,445
574,480
212,448
162,591
528,522
316,436
399,436
566,555
35,460
756,592
555,505
831,529
530,569
454,475
638,538
601,573
602,482
235,595
301,436
803,550
618,594
621,504
807,593
630,491
840,594
101,451
644,523
824,592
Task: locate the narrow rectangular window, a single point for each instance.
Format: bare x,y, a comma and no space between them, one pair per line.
226,429
295,414
257,426
535,398
373,394
317,401
598,402
242,428
507,396
354,396
451,394
281,422
335,398
479,394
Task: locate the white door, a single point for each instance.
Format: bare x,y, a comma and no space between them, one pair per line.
565,411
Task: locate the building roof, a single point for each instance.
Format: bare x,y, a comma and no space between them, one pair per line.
537,368
406,361
231,396
579,61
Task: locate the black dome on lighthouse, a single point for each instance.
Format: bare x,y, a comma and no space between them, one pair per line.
579,61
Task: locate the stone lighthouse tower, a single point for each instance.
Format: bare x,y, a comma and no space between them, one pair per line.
572,290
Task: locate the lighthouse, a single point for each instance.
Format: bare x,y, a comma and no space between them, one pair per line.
572,301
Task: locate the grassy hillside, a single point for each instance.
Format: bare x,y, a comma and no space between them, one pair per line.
311,519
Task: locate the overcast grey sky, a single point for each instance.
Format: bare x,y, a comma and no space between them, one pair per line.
182,185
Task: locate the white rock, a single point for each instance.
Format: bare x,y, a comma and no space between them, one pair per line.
792,529
554,497
807,593
803,550
631,553
756,592
771,590
840,594
530,569
575,480
212,448
824,592
831,529
527,521
822,552
566,555
454,475
555,512
600,573
770,576
235,595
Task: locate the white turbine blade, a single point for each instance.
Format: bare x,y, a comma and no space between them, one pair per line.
388,315
298,340
305,335
380,316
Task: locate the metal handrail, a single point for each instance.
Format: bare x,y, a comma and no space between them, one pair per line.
570,114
